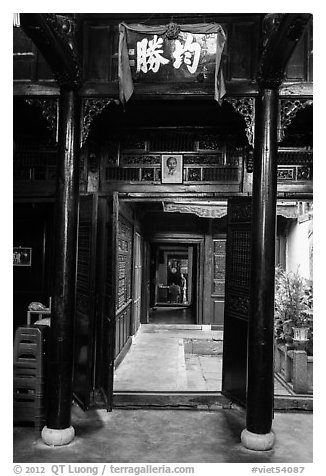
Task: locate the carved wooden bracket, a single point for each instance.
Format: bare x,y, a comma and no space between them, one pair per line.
288,109
246,107
91,108
50,111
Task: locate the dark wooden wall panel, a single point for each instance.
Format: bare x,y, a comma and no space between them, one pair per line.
28,63
242,56
84,345
237,299
24,56
97,57
300,66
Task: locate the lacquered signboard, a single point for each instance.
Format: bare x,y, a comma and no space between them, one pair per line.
169,54
155,58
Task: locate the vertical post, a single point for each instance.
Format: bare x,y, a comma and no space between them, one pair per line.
260,379
59,430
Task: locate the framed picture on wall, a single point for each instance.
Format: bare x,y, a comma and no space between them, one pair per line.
172,168
22,256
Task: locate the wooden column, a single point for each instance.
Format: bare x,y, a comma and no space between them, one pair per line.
260,380
62,321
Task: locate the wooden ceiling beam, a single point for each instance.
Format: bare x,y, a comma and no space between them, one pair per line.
54,36
282,33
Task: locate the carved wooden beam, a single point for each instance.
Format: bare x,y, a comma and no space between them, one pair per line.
54,35
282,33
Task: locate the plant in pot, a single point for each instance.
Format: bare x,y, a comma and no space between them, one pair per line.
293,308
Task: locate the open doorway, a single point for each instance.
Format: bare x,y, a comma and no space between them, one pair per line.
174,283
174,349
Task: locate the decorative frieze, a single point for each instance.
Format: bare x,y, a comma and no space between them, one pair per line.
286,173
304,173
204,210
147,175
194,175
204,159
140,160
209,142
294,174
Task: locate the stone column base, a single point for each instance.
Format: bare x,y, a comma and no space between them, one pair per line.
257,442
53,437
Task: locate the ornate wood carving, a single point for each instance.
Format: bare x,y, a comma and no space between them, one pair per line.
172,31
140,159
240,213
49,109
219,253
288,109
203,159
246,107
208,142
286,173
194,175
148,175
201,210
90,109
124,262
239,305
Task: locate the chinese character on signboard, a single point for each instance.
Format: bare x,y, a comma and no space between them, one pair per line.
155,58
151,54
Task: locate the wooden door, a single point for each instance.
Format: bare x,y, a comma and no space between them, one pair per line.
137,278
107,270
145,291
237,299
84,357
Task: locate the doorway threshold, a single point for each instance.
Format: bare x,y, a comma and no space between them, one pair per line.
198,327
201,401
181,400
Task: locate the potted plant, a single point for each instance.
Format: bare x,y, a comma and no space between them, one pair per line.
293,308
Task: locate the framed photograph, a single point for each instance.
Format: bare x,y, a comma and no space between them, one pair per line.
22,256
172,168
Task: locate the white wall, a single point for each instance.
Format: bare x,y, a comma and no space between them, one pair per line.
297,252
